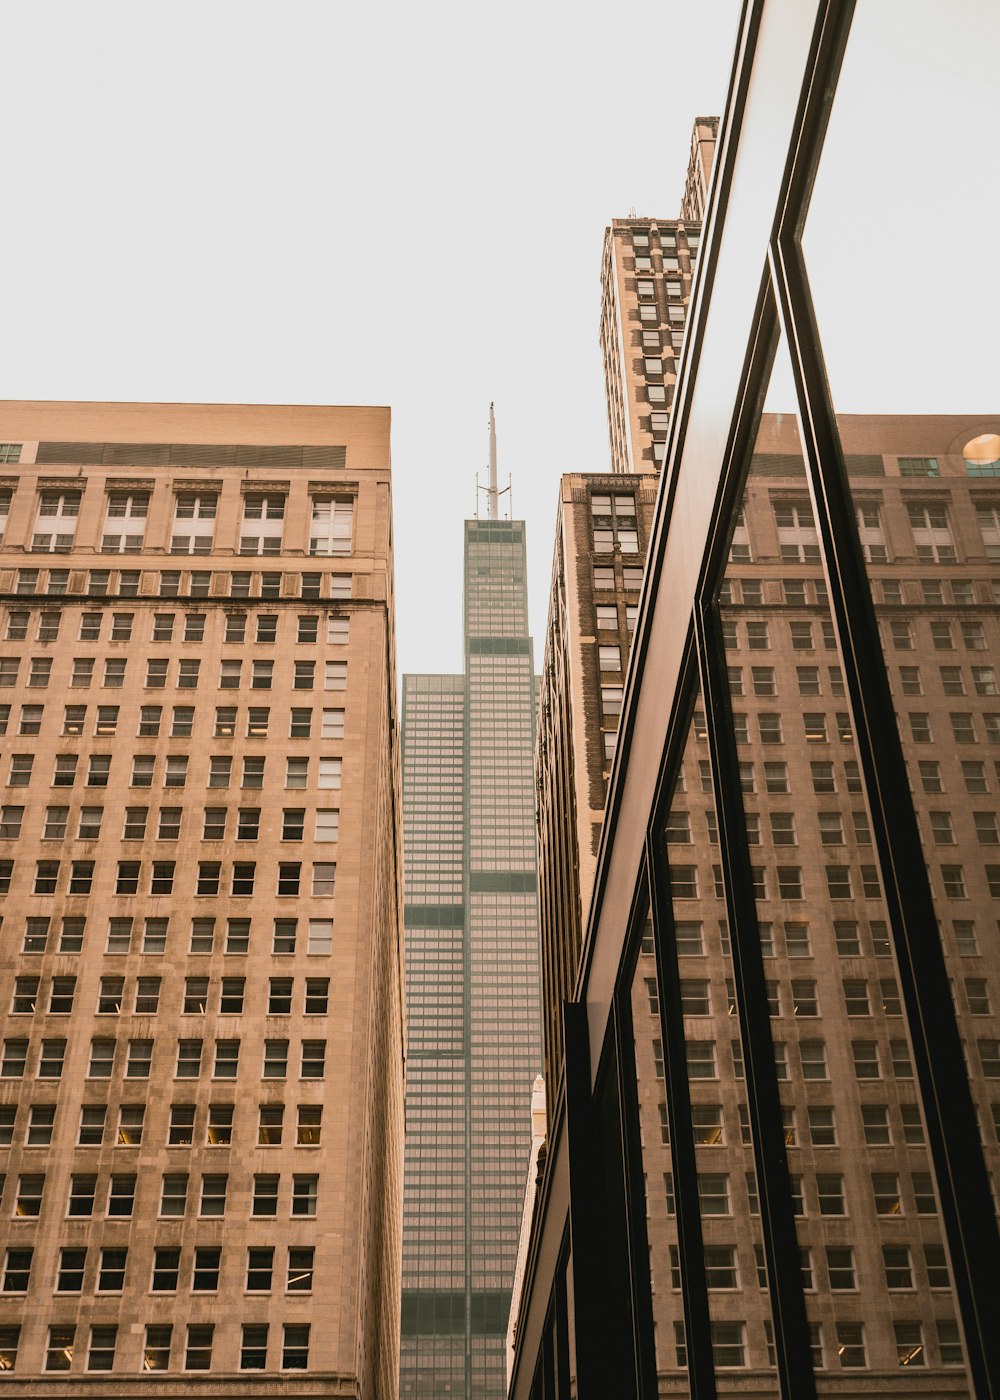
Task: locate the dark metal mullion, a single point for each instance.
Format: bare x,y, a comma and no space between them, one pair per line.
562,1325
586,1212
793,1353
635,1196
687,1206
952,1132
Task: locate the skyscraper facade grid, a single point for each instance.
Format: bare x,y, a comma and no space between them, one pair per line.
472,979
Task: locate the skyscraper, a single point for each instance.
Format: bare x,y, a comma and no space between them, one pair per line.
472,979
647,268
201,1077
602,533
699,172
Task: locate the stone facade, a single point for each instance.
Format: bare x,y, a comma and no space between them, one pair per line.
201,1090
602,534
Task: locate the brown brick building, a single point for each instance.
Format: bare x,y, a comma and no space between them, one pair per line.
201,1082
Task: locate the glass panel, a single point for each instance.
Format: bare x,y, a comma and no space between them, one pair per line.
914,387
840,1048
727,1208
655,1138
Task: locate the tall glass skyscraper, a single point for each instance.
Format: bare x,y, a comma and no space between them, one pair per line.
473,980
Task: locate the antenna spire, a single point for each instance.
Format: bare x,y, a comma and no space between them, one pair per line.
493,491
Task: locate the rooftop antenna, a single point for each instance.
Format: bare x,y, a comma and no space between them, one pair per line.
493,491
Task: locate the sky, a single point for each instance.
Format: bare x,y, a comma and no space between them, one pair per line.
315,202
364,204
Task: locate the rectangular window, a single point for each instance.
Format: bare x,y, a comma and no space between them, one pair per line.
198,1347
830,1193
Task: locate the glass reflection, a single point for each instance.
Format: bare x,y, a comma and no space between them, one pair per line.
725,1187
927,507
860,1176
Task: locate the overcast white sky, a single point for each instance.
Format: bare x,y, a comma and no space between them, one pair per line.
308,202
313,202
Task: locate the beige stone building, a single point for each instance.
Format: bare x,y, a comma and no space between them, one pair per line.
647,268
699,171
201,1072
602,534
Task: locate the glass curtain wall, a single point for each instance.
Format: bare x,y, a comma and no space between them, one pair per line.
811,975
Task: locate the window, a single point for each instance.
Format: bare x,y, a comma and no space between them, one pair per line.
17,1270
885,1188
770,727
198,1348
50,1060
713,1194
275,1059
82,1190
188,1059
289,877
253,1348
320,937
313,1059
931,533
851,1350
300,725
897,1267
180,1131
226,1066
121,1196
331,525
205,1274
262,524
299,1278
270,1124
305,1195
797,538
131,1118
41,1123
140,1059
260,1268
193,526
265,1195
789,882
156,1351
909,1343
317,996
237,940
59,1350
953,879
920,727
309,1125
701,1059
952,682
209,874
111,1278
